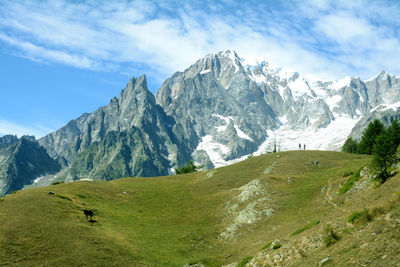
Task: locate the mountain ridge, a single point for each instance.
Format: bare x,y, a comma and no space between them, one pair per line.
22,160
216,112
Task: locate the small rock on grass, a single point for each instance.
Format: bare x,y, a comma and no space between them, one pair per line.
323,261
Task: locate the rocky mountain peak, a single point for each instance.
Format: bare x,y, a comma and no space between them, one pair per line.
8,139
135,91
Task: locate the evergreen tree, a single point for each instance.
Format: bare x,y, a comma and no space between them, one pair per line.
350,146
188,168
369,137
394,133
383,154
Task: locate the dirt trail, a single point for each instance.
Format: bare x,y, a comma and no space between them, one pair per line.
330,198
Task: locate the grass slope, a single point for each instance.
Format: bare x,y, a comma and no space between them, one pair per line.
167,221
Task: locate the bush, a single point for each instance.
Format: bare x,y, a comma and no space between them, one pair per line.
188,168
57,182
350,182
244,261
276,246
266,246
305,227
360,216
331,237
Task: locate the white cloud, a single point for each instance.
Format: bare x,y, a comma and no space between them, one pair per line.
329,39
7,127
37,53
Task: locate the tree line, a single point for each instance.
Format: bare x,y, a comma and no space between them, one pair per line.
380,142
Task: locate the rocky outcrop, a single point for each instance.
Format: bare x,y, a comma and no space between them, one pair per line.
8,140
131,136
21,162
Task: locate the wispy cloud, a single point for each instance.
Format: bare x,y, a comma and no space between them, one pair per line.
329,39
7,127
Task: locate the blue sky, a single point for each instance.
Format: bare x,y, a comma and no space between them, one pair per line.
59,59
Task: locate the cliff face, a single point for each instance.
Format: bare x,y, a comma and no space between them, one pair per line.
131,136
21,161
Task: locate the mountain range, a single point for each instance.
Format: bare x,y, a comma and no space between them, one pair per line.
218,111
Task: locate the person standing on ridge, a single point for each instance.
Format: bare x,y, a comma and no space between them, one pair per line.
299,146
304,146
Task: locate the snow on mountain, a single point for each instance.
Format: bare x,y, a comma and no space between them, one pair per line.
331,137
336,85
205,71
242,104
384,107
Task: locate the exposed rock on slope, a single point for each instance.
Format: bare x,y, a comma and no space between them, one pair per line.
131,136
21,161
8,140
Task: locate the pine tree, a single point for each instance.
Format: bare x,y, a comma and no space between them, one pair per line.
350,146
383,154
188,168
369,137
394,133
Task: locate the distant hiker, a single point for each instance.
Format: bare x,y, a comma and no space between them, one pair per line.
299,146
304,146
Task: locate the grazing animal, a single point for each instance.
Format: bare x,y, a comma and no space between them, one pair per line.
88,213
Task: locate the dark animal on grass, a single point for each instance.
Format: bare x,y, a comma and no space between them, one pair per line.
88,213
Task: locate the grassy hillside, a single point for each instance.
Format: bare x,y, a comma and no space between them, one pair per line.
215,217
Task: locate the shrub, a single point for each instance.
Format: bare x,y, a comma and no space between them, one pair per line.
188,168
57,182
244,261
360,216
305,227
331,237
350,182
266,246
276,246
